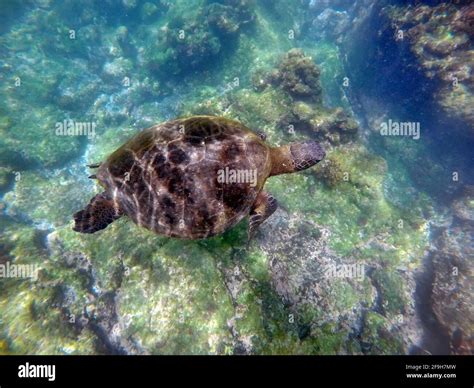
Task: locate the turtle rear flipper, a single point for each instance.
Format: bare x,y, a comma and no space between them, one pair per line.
98,214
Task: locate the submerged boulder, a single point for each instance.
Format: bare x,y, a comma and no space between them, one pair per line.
298,75
451,299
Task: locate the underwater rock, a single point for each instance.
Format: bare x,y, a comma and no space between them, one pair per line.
222,18
100,315
45,199
302,111
29,324
258,110
328,296
330,24
32,138
190,47
227,17
463,206
116,70
441,36
6,178
150,295
330,172
198,40
333,125
298,75
149,11
451,298
260,79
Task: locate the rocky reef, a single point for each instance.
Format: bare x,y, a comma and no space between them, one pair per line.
441,38
191,41
298,76
451,271
333,271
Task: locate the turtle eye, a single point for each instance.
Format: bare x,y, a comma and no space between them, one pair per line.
261,135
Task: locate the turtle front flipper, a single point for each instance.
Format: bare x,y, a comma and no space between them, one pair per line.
98,214
264,206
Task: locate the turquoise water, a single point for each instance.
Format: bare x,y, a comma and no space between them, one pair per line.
369,252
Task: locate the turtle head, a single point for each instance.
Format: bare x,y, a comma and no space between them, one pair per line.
296,157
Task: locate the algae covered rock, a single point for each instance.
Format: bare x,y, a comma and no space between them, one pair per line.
167,275
6,178
331,273
332,125
32,139
451,297
440,37
193,46
463,206
29,324
228,16
298,75
329,298
296,85
452,276
45,199
193,39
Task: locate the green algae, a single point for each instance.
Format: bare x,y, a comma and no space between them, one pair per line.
28,322
380,340
359,182
33,140
187,310
178,279
392,291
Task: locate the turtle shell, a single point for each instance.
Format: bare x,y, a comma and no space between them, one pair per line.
189,178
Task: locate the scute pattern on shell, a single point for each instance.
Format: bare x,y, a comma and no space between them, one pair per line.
165,178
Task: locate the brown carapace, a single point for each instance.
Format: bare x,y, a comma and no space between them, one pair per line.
192,178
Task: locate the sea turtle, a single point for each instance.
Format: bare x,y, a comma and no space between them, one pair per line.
192,178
